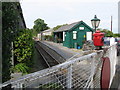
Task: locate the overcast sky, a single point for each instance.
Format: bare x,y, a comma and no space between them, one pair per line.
57,12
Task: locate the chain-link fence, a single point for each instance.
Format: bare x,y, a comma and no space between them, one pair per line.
81,72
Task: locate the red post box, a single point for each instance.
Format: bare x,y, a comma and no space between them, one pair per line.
98,38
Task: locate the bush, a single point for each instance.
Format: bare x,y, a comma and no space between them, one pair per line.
23,51
21,67
48,37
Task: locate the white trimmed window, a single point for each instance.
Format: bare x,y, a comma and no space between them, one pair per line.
81,28
74,34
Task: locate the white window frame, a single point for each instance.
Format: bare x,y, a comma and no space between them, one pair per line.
64,36
88,36
74,34
82,28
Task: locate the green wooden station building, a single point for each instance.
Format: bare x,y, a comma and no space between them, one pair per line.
73,35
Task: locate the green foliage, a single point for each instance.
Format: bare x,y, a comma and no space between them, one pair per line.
58,26
108,33
21,67
39,25
24,50
34,32
48,37
9,31
116,35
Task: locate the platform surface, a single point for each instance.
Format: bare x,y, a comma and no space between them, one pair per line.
63,51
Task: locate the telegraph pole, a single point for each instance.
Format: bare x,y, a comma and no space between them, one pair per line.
111,23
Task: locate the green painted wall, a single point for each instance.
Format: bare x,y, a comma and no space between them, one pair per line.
81,37
67,40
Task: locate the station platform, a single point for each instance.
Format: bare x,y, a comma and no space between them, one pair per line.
66,53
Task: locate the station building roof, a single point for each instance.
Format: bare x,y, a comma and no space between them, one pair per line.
70,26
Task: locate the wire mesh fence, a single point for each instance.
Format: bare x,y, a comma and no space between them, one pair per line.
81,72
111,52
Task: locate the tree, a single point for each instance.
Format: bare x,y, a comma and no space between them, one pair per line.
40,25
116,35
108,33
58,26
10,26
12,22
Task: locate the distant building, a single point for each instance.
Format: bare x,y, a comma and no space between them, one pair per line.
43,35
119,17
47,32
73,35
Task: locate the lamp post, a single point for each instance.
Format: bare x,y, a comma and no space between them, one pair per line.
95,22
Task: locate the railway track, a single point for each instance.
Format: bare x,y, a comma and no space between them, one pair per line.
48,58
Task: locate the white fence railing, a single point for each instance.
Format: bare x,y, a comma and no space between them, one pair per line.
82,72
112,54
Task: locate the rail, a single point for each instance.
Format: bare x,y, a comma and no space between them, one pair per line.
57,56
48,58
82,72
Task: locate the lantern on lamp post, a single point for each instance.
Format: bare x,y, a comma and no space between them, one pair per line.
95,22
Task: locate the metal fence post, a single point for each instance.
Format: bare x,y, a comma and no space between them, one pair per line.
18,86
93,71
90,82
69,77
